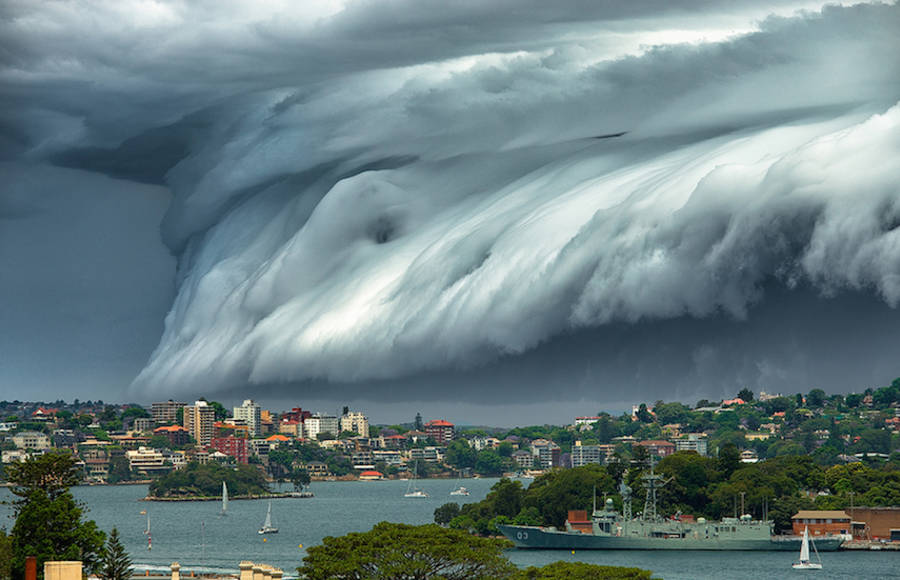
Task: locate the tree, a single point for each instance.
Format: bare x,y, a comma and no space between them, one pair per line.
417,424
115,565
745,395
729,460
815,398
48,519
391,551
581,571
300,478
159,442
135,413
6,554
643,414
445,513
52,473
489,463
119,469
460,454
221,412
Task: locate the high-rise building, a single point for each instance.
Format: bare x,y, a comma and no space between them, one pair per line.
250,413
199,420
439,430
318,424
166,412
355,422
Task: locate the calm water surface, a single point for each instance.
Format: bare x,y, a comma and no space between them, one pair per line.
193,533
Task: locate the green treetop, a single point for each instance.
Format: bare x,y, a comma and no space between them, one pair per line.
48,519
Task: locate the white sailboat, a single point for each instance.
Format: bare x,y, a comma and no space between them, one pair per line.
224,500
411,489
804,563
267,527
147,532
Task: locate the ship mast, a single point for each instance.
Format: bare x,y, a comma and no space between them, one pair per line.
653,483
625,492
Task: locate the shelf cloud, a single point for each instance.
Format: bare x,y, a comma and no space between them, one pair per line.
396,199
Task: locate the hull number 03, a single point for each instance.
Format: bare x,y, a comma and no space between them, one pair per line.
521,535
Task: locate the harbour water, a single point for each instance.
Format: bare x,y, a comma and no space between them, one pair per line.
194,534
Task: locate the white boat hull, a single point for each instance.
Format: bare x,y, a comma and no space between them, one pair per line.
807,566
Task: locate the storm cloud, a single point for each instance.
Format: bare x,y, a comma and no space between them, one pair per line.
390,200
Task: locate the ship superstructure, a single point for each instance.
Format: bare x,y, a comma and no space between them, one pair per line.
610,530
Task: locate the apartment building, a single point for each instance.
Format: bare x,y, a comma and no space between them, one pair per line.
251,414
199,420
319,424
31,440
355,422
692,442
146,460
166,411
441,431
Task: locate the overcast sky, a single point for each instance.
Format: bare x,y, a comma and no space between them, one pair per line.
498,212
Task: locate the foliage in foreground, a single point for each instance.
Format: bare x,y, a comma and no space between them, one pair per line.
404,552
116,565
581,571
6,555
206,481
48,519
400,551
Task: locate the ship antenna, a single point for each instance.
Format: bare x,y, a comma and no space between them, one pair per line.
595,499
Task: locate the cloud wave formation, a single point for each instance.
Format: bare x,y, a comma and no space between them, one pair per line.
373,191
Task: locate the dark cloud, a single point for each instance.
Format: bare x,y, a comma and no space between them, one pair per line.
411,199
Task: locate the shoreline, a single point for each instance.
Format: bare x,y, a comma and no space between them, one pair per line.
285,495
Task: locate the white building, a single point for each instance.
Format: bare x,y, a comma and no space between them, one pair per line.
318,424
251,414
692,442
585,454
146,460
584,423
355,422
428,454
546,453
31,440
390,456
524,459
479,443
14,455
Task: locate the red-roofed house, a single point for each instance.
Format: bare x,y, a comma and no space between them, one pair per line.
176,434
658,447
371,475
43,414
735,401
439,430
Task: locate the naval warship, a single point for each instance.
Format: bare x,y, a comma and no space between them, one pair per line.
610,530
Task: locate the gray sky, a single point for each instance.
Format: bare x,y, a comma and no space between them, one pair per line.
500,212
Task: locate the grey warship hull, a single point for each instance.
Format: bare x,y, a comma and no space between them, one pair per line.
532,537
